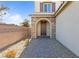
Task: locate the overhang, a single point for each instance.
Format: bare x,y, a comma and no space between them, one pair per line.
42,15
62,7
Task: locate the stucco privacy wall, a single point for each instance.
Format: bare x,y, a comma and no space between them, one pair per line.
67,27
9,34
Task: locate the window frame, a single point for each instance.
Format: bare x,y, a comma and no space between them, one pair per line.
47,7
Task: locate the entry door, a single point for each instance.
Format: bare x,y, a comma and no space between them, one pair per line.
43,28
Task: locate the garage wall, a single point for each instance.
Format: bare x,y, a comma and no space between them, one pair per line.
67,27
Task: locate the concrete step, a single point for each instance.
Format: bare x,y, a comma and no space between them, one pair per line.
39,37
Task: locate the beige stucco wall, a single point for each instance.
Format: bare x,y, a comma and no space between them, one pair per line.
10,34
38,29
67,27
48,29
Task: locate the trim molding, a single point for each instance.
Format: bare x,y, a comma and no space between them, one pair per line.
62,7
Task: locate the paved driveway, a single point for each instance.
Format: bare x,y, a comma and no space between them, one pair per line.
46,48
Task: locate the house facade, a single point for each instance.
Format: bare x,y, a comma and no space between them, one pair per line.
43,20
62,23
67,25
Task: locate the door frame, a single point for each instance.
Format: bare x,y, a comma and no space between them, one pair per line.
41,20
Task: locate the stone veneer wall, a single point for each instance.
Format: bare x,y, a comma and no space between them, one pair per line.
53,26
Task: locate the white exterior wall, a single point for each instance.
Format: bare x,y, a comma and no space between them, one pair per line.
67,27
37,6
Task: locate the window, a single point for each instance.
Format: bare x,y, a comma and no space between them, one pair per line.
47,7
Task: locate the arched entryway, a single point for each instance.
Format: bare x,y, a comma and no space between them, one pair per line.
43,28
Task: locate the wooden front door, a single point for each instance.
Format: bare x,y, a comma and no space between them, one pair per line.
43,28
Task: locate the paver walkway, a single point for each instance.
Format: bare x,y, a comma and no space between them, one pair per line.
46,48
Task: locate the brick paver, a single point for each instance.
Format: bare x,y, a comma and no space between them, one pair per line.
46,48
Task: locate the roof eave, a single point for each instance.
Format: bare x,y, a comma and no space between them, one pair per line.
62,7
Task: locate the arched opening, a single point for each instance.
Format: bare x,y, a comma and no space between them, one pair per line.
43,28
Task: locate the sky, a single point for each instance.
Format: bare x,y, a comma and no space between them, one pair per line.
18,11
